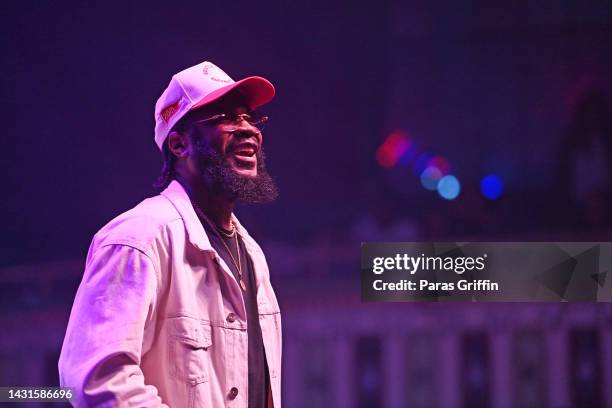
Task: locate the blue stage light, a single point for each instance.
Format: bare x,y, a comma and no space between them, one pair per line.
491,187
430,178
449,187
420,163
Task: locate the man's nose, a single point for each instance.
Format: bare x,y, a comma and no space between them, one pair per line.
246,130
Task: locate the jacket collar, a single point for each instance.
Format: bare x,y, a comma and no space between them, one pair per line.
179,198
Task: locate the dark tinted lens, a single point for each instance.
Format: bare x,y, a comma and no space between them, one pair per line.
258,120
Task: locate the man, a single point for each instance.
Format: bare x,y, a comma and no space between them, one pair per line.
175,307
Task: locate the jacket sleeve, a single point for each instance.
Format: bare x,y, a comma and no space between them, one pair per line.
110,328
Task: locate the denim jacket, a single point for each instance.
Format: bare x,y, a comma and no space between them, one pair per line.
159,319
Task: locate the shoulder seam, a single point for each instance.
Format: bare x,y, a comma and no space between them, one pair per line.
126,242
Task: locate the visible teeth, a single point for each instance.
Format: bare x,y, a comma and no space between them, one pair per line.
246,152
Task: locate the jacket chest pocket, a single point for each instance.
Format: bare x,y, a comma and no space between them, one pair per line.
189,342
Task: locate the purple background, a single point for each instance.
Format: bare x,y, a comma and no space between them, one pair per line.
491,87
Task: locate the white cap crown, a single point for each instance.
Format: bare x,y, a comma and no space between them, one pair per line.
198,85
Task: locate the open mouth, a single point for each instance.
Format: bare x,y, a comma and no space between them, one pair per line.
245,155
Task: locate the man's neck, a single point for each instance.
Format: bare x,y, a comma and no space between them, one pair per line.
217,208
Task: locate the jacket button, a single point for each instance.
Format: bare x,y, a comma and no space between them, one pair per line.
231,318
233,393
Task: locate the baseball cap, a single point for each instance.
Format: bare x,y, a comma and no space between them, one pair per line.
199,85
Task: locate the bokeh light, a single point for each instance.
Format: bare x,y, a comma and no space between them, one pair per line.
421,163
392,149
441,163
449,187
491,187
430,177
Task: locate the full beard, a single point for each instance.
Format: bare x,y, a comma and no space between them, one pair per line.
220,178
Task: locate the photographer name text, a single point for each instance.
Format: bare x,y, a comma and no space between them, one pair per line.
424,284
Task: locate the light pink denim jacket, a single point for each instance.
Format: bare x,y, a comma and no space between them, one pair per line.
159,319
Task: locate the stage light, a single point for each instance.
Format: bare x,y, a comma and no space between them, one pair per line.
491,187
392,149
420,163
385,157
409,155
430,177
441,163
449,187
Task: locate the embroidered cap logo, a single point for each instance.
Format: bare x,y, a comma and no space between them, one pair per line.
169,111
215,73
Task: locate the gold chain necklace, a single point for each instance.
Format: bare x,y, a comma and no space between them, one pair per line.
238,264
225,233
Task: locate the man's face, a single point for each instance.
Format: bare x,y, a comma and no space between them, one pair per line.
228,154
233,138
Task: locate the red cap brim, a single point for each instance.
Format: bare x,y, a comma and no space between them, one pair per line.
257,90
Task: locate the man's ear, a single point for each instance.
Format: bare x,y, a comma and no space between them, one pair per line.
179,144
